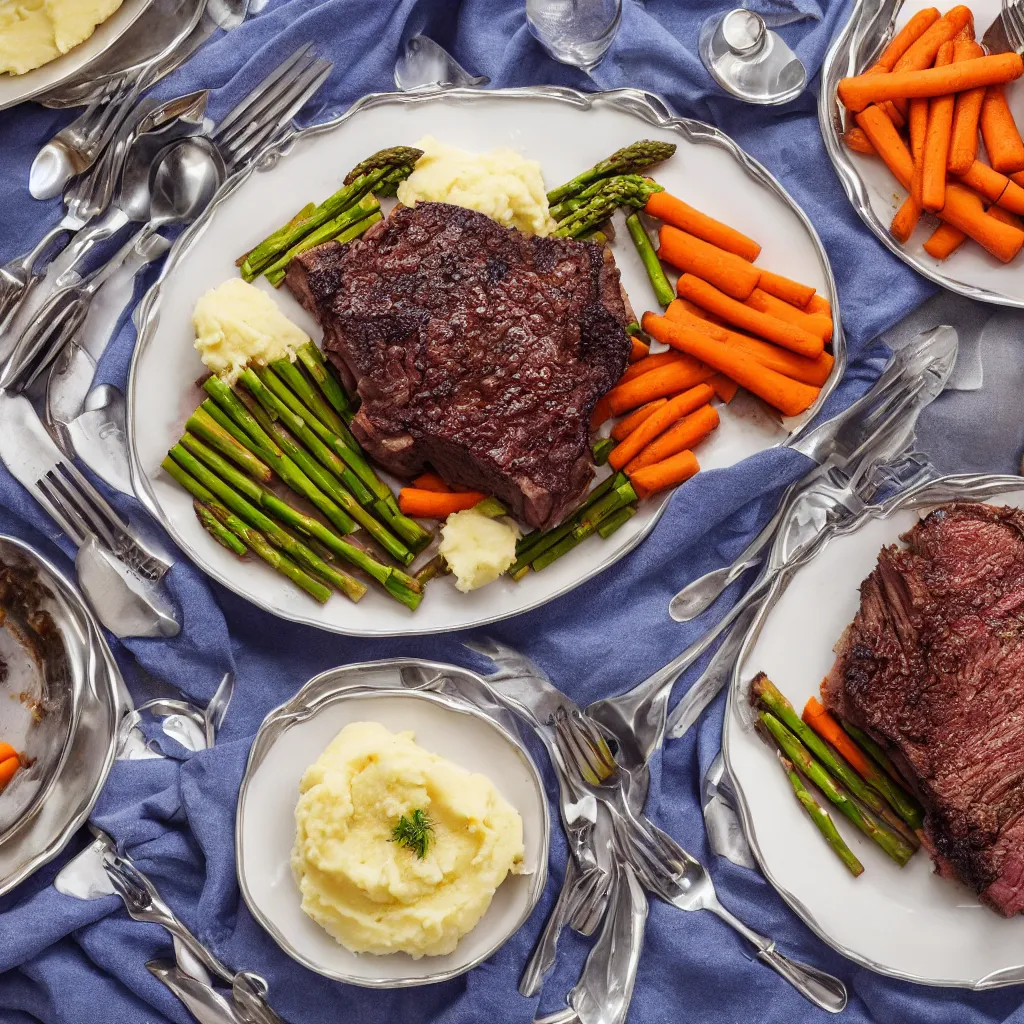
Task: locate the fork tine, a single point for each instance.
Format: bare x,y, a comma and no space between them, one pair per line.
289,105
240,112
75,502
54,504
103,512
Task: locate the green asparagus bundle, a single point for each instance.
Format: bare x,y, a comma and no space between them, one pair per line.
631,159
634,188
889,839
597,210
312,359
887,779
663,291
216,529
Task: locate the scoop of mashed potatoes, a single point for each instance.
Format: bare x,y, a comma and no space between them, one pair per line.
236,323
478,549
500,183
374,895
34,32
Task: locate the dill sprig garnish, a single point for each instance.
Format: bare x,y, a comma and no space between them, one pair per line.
415,832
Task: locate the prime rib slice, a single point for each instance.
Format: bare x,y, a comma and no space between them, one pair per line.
933,667
473,348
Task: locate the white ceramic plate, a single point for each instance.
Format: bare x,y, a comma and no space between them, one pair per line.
566,131
874,192
16,88
908,922
294,735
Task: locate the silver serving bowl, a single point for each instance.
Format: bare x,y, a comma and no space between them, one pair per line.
61,701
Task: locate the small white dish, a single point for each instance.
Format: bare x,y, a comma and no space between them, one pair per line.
294,735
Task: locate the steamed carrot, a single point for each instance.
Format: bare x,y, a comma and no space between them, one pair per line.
638,349
997,69
788,335
6,751
783,288
799,368
695,310
893,113
1004,217
886,140
8,769
662,475
917,132
679,214
815,323
659,359
431,505
936,143
855,139
788,396
725,387
662,419
964,210
684,435
431,482
818,304
818,718
906,37
1002,139
661,383
944,241
921,54
995,187
629,423
602,411
906,219
963,143
725,270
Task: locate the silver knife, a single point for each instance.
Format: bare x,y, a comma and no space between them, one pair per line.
1004,35
204,1002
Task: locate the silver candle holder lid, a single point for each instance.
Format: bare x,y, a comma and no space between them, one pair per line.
750,61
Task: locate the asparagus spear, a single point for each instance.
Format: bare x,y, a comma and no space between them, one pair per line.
628,160
904,803
824,823
393,157
251,538
306,391
321,489
597,514
311,358
259,520
888,839
283,512
603,205
202,424
216,529
302,215
601,449
662,289
772,698
614,521
628,183
437,566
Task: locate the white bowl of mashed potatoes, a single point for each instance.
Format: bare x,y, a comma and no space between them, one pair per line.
332,854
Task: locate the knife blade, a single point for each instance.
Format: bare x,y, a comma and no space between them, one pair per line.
996,39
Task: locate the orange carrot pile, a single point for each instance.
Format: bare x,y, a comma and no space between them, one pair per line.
921,109
9,764
424,504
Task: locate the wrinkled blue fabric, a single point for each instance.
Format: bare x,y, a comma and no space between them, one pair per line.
68,961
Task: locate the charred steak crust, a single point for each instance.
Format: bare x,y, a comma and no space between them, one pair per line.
933,667
473,348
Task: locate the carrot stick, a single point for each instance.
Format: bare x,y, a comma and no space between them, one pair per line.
675,470
724,387
9,767
917,120
891,148
906,37
680,215
783,288
695,310
997,69
855,139
1005,217
732,274
906,219
788,396
944,241
1002,139
431,482
964,210
936,143
650,363
790,336
638,349
995,187
431,505
765,302
657,424
922,53
661,383
684,435
963,144
818,304
799,368
629,423
817,717
6,751
602,411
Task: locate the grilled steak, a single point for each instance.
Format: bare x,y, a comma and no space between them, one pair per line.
473,348
933,667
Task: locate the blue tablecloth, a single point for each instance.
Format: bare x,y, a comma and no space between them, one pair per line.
66,961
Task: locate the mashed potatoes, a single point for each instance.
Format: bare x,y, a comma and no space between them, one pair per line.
236,323
477,549
374,895
34,32
501,183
